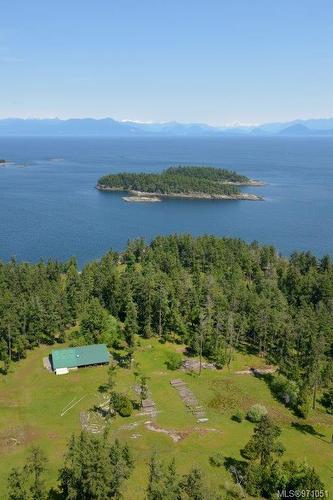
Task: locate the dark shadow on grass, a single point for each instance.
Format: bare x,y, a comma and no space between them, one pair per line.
268,378
54,494
189,352
237,468
136,404
248,349
307,429
121,359
192,373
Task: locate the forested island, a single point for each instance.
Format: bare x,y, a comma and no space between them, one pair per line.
193,182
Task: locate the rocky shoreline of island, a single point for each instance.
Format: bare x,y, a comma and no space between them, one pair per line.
143,196
249,183
183,182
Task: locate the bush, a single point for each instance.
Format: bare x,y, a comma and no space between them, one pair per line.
256,412
174,361
217,460
121,404
238,416
126,409
285,390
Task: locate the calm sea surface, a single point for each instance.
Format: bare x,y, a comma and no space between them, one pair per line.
49,207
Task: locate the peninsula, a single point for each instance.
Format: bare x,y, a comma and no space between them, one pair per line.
194,182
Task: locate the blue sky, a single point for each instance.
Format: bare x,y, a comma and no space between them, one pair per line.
212,61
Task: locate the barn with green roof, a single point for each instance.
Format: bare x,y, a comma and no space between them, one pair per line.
64,360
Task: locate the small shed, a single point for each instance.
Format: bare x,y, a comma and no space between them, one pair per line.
61,371
64,360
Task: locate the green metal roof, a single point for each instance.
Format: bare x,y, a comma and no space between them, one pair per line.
80,356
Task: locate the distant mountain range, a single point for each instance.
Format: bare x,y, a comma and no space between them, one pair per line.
109,127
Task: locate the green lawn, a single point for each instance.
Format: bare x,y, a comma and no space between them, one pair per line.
32,400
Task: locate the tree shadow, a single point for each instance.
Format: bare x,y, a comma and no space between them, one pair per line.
121,359
306,429
268,378
248,349
237,468
103,412
136,404
54,494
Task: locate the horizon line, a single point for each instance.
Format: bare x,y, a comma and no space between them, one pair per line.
235,124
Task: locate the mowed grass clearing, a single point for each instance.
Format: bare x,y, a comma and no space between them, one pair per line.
32,401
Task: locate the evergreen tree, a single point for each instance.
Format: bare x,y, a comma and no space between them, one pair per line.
143,388
192,485
263,445
155,490
122,465
131,326
28,483
94,321
93,470
35,468
17,485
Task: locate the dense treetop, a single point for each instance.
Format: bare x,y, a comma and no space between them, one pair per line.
217,294
213,294
181,179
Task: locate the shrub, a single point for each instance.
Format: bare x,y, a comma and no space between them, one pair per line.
256,412
126,409
121,404
217,460
174,361
285,390
238,416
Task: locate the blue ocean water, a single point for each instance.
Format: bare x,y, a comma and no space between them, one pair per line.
49,207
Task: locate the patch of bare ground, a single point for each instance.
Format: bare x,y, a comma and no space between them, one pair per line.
16,436
92,421
53,435
177,435
202,431
9,403
193,365
257,371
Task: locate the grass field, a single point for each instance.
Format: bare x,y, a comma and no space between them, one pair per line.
32,400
